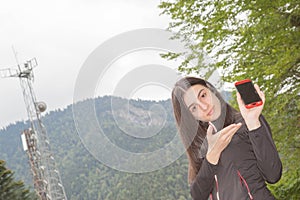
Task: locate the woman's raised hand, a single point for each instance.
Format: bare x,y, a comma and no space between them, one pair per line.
219,141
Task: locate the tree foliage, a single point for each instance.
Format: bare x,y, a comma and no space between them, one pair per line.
11,189
259,40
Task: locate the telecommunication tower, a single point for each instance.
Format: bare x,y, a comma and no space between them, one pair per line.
47,180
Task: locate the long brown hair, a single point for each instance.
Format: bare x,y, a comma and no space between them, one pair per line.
192,131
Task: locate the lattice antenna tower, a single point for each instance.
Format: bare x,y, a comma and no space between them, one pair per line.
47,180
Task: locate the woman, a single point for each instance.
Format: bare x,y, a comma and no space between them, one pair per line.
231,154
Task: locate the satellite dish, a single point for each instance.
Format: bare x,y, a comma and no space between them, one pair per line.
41,106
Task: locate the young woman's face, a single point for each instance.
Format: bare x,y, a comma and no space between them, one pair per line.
202,103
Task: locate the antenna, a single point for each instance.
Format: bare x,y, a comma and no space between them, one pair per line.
46,178
16,57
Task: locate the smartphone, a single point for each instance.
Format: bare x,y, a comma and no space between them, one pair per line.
248,93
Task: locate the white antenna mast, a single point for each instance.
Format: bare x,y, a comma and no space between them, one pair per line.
47,180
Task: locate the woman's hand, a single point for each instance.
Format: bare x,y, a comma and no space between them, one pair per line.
251,116
219,141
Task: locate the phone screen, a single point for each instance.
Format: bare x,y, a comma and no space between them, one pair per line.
248,93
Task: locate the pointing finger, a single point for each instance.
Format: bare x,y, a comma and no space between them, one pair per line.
231,126
231,129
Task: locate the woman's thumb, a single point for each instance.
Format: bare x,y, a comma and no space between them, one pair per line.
213,127
210,131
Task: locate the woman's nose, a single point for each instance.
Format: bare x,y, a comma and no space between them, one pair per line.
202,106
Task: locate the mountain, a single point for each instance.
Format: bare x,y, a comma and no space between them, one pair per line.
89,169
133,125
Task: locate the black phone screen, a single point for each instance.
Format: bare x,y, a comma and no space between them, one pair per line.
248,93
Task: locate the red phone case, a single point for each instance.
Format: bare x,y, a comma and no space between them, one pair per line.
254,104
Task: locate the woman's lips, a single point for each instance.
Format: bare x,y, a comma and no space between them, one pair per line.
211,112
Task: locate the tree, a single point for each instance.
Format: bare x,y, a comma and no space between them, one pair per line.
251,39
10,189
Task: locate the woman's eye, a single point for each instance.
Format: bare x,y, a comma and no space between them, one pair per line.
193,109
203,94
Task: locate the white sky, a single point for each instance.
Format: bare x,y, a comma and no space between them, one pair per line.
61,34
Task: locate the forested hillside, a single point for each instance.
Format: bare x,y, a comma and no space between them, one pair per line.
83,176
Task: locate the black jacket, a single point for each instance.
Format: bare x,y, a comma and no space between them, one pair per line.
250,160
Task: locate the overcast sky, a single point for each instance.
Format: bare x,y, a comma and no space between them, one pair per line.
61,34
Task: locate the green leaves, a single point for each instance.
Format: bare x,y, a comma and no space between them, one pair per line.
259,40
11,189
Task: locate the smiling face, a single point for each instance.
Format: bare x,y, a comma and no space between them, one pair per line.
202,103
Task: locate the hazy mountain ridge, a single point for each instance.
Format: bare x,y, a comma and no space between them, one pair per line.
86,178
83,176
